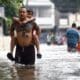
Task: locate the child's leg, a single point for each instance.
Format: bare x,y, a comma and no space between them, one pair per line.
36,42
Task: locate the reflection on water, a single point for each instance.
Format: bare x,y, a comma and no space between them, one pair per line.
41,71
54,65
44,69
8,71
5,73
23,74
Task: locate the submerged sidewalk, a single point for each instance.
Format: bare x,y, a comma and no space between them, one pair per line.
56,64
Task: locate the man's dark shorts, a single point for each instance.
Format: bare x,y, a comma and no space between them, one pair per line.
25,55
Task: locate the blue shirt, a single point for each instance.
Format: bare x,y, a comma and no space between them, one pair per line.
72,36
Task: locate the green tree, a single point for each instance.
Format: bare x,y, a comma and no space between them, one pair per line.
11,9
11,6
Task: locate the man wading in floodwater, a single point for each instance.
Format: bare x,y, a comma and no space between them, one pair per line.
24,39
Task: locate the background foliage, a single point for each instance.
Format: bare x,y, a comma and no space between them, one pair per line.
11,6
11,9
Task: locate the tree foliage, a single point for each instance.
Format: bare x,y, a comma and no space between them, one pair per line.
11,6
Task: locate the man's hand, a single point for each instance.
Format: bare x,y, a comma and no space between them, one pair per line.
39,55
10,56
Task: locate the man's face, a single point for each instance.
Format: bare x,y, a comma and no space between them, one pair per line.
23,13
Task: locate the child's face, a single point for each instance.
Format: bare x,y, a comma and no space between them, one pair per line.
29,15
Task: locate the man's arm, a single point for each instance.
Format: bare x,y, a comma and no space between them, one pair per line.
15,22
12,43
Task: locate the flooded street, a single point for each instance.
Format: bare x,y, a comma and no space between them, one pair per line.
45,24
56,64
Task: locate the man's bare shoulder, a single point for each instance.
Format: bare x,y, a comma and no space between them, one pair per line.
17,19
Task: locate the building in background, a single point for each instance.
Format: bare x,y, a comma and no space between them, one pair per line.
44,11
54,13
2,20
66,12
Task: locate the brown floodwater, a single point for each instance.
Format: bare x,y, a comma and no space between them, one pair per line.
42,70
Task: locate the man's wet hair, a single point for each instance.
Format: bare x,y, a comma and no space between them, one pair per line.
23,7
